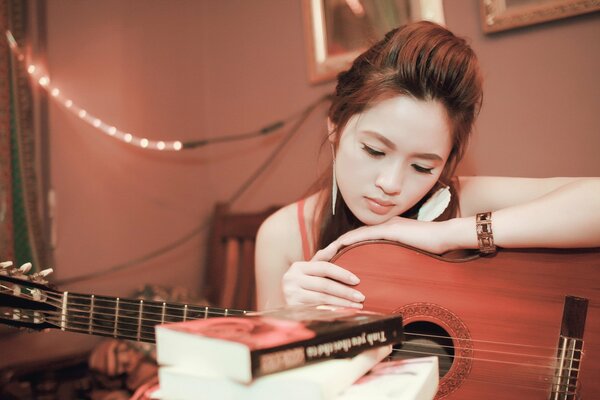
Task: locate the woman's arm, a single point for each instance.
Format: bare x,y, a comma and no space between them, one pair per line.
553,212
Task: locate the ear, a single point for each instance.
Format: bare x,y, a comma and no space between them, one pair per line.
330,130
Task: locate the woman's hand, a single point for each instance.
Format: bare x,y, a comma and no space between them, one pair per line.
428,236
320,282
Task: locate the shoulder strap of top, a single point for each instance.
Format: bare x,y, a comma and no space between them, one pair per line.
303,232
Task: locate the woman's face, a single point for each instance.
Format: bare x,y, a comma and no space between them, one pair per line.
390,156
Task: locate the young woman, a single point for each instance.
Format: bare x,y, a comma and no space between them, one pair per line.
398,126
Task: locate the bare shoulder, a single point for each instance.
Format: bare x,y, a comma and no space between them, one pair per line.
280,233
489,193
277,233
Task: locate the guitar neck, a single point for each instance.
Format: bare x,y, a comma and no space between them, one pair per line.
123,318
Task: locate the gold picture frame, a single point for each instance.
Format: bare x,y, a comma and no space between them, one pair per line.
335,29
500,15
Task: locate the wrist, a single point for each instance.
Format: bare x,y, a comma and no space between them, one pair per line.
460,234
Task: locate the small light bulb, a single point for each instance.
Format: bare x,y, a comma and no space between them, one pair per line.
160,145
68,103
144,143
97,123
82,113
177,145
112,130
55,92
44,81
31,69
128,137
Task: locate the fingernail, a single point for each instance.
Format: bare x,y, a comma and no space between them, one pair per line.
354,279
358,296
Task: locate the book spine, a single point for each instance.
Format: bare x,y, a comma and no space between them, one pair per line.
347,343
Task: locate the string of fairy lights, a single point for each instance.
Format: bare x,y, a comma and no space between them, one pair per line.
43,80
39,76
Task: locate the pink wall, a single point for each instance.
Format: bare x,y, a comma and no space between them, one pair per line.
196,69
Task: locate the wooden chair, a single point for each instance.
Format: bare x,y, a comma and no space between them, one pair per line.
229,270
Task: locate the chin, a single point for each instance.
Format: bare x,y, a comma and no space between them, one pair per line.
370,219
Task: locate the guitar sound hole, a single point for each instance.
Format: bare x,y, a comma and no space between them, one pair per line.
423,339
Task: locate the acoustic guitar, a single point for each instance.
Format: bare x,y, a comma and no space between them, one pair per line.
523,324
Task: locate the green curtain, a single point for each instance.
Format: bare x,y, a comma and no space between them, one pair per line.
21,227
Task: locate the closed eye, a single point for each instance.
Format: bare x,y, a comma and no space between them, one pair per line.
372,152
421,169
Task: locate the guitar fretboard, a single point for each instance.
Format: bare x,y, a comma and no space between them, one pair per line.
126,318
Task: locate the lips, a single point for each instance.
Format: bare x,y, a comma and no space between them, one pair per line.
379,207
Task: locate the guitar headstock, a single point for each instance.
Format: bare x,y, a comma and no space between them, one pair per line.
25,299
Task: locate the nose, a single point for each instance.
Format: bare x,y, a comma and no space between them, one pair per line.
389,181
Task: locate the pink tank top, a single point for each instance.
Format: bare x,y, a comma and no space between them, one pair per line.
303,232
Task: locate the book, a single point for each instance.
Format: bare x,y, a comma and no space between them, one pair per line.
256,344
411,379
316,381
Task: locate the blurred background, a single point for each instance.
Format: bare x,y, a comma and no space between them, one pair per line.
188,70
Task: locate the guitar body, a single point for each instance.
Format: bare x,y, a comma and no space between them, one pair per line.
503,314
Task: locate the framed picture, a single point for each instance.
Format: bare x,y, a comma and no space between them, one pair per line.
339,30
500,15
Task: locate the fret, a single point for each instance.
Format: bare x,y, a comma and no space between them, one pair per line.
116,318
162,315
139,329
185,310
91,314
205,312
225,313
63,313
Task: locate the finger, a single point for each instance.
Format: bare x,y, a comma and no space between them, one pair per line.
360,235
331,271
331,287
309,297
328,252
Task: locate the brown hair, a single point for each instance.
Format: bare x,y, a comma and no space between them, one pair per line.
422,60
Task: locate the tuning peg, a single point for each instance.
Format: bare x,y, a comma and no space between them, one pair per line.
40,277
45,272
25,268
6,264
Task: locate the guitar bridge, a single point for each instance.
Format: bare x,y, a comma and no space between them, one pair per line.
570,349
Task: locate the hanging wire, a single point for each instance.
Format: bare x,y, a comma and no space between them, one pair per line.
303,115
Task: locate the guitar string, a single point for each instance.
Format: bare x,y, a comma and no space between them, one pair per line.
144,329
202,311
524,386
144,335
56,301
137,320
521,374
151,338
221,313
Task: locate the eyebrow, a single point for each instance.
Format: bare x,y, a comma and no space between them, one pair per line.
392,145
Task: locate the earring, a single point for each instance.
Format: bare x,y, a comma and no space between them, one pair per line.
334,189
435,205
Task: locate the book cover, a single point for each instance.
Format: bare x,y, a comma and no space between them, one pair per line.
411,379
317,381
243,348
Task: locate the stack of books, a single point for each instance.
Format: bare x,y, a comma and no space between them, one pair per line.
308,353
